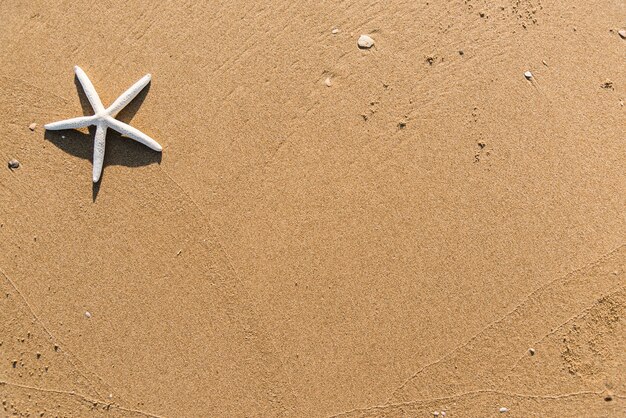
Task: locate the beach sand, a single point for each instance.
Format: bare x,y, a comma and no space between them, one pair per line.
410,229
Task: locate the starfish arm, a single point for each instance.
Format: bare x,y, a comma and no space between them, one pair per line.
89,89
73,123
98,151
126,97
133,133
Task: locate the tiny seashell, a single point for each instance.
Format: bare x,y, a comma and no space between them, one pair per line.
503,409
32,126
13,164
528,75
87,314
328,82
365,42
335,31
622,33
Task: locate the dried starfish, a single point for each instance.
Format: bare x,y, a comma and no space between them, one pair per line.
105,118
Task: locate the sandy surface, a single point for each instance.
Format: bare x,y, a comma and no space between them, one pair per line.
393,244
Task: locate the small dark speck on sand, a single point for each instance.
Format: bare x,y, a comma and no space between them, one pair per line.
608,84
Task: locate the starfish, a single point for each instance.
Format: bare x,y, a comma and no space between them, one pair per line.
105,118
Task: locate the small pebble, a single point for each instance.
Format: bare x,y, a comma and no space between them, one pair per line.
443,413
13,164
622,33
503,409
436,414
328,82
335,31
365,42
528,75
32,126
531,351
87,314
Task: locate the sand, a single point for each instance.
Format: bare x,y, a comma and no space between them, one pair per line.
330,230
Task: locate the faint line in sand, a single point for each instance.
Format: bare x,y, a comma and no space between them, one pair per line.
506,315
86,399
476,392
67,353
581,314
236,274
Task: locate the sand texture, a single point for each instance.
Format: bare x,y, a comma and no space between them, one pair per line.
333,229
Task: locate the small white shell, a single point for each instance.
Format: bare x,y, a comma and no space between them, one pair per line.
528,75
503,409
87,314
365,42
335,31
328,82
622,33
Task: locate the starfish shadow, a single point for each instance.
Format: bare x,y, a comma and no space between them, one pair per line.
119,150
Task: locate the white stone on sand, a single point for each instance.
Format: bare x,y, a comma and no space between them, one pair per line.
365,42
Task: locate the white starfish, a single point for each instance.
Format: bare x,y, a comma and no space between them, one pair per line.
105,118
